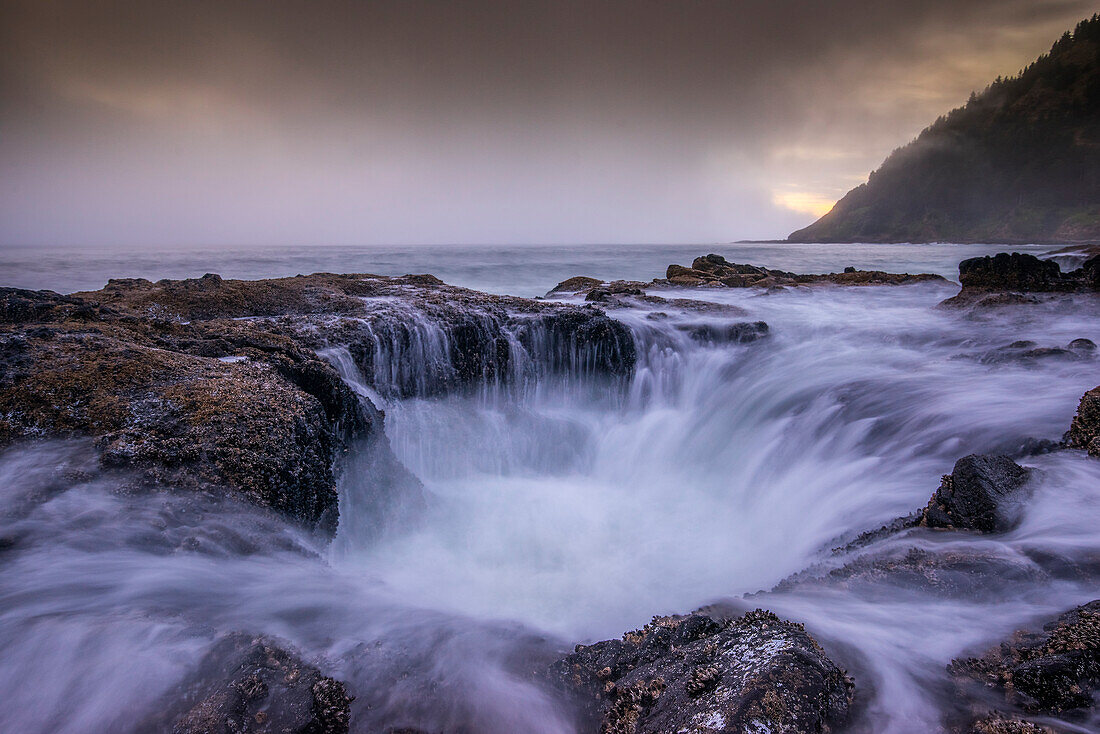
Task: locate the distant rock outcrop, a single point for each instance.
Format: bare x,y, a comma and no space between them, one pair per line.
714,271
1012,278
1020,162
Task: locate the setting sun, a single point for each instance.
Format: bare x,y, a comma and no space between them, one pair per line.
803,202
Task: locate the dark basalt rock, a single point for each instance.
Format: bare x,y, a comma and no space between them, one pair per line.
603,293
1011,272
247,685
714,271
1005,278
693,673
1084,432
19,306
981,493
1055,671
719,333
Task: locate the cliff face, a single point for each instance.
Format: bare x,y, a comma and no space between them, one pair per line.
1020,162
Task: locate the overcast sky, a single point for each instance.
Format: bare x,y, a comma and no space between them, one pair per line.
222,122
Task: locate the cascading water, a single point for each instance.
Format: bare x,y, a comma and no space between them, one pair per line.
568,504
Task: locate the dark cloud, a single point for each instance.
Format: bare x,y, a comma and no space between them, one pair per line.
410,121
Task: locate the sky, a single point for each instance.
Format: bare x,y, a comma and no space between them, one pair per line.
208,122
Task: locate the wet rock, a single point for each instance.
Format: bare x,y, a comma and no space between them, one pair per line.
583,341
895,526
998,724
182,420
695,674
576,284
1032,446
1072,257
1084,432
719,333
1010,272
1004,278
715,271
409,335
19,306
208,382
981,301
1025,351
247,684
1055,671
212,297
982,493
966,574
616,288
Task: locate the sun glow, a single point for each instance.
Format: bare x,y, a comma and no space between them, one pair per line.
803,202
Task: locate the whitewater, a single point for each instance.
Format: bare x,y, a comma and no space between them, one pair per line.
571,507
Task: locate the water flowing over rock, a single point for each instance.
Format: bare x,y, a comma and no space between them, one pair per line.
695,674
247,685
982,493
607,452
410,336
197,405
213,381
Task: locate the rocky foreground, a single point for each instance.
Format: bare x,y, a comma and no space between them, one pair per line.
216,387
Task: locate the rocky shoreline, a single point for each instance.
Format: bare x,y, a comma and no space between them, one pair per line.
217,388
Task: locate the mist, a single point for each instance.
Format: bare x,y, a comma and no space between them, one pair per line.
150,124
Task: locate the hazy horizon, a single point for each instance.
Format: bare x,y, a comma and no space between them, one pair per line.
147,124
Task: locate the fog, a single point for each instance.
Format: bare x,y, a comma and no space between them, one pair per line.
207,123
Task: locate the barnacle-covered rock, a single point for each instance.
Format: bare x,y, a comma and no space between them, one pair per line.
695,674
250,685
1084,432
1054,672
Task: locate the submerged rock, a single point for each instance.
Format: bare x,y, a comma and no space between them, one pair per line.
966,574
725,333
1026,352
1084,432
715,271
695,674
982,493
247,684
1055,671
